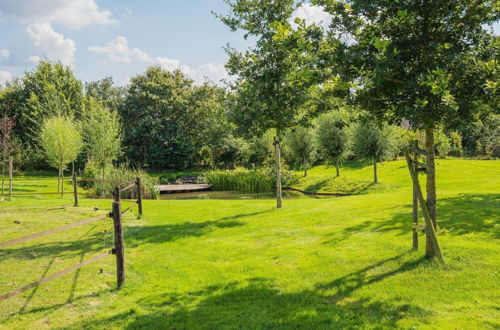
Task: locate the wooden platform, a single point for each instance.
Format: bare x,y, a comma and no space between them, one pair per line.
180,188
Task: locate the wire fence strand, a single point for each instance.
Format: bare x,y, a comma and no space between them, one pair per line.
53,276
51,231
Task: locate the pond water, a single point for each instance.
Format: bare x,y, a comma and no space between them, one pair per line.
235,195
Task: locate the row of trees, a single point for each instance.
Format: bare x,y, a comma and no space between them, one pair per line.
426,63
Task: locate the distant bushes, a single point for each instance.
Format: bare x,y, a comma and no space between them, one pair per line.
255,180
119,174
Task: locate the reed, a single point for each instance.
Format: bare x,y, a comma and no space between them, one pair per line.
252,181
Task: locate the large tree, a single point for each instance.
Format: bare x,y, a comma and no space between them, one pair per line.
274,78
167,119
427,61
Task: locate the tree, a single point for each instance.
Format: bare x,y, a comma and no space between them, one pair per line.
50,90
427,62
301,147
166,119
62,142
333,138
372,142
105,93
6,129
102,135
275,77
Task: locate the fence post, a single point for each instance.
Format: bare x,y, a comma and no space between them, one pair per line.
11,169
75,189
139,196
119,250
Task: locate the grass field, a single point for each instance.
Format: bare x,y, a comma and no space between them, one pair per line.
231,264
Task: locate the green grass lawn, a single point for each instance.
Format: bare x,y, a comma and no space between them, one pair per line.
317,263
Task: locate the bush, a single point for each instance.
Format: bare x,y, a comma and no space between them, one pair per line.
255,180
121,174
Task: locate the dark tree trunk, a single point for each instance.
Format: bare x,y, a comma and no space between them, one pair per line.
278,169
415,204
431,187
375,176
337,166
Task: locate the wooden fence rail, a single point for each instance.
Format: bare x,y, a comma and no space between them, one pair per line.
118,249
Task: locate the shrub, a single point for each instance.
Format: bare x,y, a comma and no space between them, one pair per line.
121,174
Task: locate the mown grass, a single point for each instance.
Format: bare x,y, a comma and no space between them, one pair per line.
316,263
354,179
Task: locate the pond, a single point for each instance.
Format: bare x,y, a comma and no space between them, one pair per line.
234,195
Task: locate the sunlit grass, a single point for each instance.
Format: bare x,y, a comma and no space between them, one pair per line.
317,263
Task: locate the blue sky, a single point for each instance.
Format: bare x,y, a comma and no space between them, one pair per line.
115,38
102,38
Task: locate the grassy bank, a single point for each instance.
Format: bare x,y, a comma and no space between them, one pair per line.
316,263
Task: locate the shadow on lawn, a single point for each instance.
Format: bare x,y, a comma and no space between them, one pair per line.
464,214
134,236
258,304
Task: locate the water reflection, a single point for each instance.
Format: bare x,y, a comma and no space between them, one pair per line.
234,195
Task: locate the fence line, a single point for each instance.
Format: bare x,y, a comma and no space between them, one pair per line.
128,187
130,206
53,276
51,231
118,249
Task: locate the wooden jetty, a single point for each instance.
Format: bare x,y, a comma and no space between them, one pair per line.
182,188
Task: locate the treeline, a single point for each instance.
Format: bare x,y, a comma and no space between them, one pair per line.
162,120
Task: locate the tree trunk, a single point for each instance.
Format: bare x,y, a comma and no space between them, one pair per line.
415,204
59,180
375,177
337,167
62,182
431,187
278,169
3,176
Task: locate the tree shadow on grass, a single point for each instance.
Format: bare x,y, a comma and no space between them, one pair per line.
134,236
258,304
464,214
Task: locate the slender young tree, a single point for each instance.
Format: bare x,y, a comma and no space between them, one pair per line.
333,139
102,135
6,130
62,143
373,143
301,147
275,77
428,62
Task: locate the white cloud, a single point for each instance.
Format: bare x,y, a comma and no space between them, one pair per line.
313,15
34,59
52,44
4,54
4,77
118,50
72,14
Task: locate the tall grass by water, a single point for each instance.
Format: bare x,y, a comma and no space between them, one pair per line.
256,180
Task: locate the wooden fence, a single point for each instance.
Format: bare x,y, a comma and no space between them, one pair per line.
118,249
